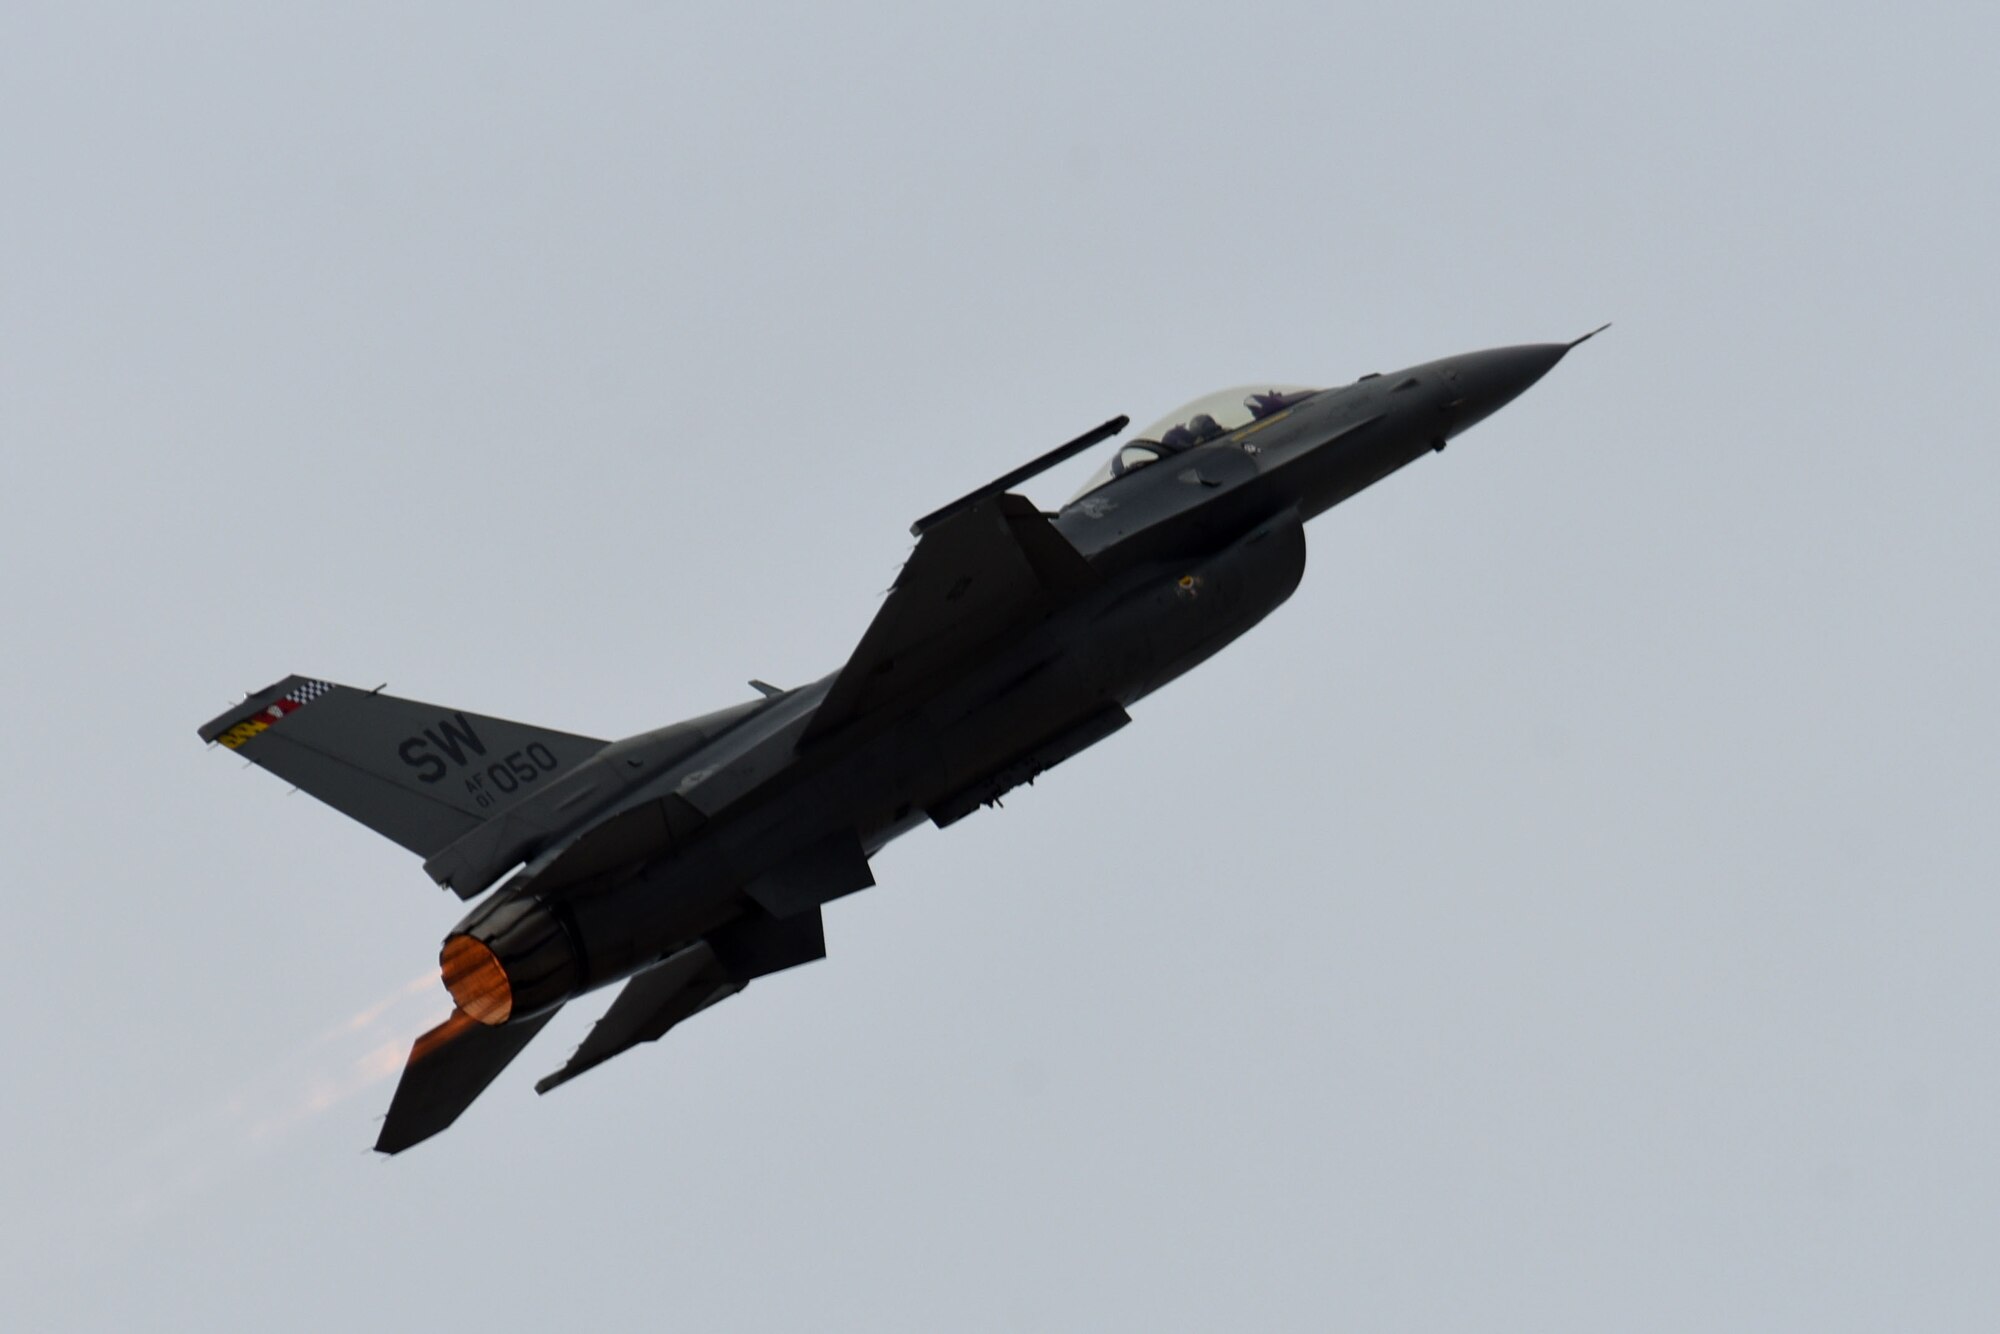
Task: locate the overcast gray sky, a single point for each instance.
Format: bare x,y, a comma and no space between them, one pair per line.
1574,910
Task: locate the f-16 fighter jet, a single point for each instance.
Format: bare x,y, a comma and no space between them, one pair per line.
686,862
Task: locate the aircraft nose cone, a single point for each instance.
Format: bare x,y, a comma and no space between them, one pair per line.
1485,382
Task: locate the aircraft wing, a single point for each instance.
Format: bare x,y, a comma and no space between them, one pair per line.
651,1003
977,572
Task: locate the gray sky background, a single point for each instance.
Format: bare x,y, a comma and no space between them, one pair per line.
1574,910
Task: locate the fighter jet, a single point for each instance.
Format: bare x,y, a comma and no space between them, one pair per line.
689,861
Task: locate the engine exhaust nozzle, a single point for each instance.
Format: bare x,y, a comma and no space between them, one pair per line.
509,960
477,982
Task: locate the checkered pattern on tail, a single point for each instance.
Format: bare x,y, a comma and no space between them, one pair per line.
251,724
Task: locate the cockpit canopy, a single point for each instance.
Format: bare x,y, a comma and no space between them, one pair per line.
1209,417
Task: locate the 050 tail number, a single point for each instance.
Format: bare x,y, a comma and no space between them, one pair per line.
511,774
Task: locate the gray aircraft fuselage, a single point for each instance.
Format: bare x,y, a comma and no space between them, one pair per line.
695,858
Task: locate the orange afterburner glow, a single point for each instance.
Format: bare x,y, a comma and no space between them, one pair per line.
476,980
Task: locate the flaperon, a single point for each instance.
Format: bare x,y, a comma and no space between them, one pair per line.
688,861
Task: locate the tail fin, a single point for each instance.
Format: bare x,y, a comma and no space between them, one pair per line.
420,774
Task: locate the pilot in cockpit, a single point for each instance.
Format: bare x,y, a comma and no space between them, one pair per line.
1194,431
1210,417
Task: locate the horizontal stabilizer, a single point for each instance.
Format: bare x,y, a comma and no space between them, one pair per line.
651,1003
421,774
690,980
449,1067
